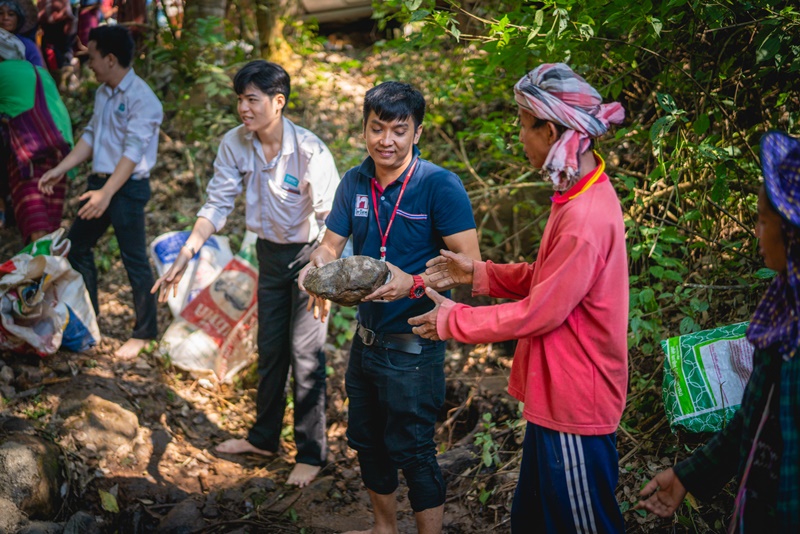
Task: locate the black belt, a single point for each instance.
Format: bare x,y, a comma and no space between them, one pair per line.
409,343
106,176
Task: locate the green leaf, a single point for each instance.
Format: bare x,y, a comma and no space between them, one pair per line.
666,102
108,502
768,49
487,458
701,124
646,296
412,5
660,128
657,25
688,326
657,271
764,274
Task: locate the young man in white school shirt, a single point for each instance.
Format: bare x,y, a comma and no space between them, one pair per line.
122,140
289,179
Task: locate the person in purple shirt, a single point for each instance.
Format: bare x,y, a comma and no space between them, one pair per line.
12,19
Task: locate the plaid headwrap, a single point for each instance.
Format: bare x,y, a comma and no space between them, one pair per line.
10,46
776,317
553,92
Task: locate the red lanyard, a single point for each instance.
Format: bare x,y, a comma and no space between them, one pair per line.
385,236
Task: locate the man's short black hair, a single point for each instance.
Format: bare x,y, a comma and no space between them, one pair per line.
270,78
395,100
115,40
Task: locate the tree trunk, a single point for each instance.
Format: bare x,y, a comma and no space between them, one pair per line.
269,14
203,9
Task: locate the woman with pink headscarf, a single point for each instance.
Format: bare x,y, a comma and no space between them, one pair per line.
569,313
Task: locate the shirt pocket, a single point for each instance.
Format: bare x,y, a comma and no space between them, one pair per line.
416,226
119,115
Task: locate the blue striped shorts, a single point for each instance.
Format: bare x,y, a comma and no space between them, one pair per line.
566,484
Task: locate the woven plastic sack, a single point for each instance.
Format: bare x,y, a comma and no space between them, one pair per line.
216,331
44,304
201,271
705,374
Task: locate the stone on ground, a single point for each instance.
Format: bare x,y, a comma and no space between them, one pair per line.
30,475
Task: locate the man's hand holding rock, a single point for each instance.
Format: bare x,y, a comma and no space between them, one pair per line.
396,288
320,306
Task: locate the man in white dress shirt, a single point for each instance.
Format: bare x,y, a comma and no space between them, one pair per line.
289,179
122,140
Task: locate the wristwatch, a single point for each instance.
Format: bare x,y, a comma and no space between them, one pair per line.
418,289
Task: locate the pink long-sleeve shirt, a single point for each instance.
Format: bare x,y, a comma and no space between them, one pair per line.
570,316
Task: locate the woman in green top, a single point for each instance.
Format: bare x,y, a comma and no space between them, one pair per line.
36,135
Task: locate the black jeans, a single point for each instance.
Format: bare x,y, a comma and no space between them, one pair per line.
288,334
125,213
394,399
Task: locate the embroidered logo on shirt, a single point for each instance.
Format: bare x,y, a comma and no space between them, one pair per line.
291,184
362,206
121,107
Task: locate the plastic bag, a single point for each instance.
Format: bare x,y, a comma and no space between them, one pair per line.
201,271
705,374
44,304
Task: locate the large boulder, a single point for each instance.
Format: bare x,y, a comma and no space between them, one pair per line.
184,518
11,519
30,475
102,425
348,280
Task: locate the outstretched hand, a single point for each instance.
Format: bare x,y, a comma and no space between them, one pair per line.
48,180
396,288
449,270
425,324
320,306
667,494
173,276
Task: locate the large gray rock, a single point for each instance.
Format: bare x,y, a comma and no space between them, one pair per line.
82,523
41,527
182,519
30,475
10,517
102,425
348,280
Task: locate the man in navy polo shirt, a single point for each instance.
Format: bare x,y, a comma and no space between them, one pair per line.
403,210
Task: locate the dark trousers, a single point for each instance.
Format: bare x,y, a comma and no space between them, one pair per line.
394,399
566,484
126,214
288,335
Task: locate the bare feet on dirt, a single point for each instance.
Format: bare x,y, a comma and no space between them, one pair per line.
131,348
241,446
302,475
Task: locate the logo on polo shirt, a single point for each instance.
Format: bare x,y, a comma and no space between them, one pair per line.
291,184
362,206
121,107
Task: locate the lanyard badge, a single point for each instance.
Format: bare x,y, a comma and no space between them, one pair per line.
385,236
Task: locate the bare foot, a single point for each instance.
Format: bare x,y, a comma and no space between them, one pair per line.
131,348
302,475
240,446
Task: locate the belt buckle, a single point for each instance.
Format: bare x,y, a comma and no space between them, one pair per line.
367,336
